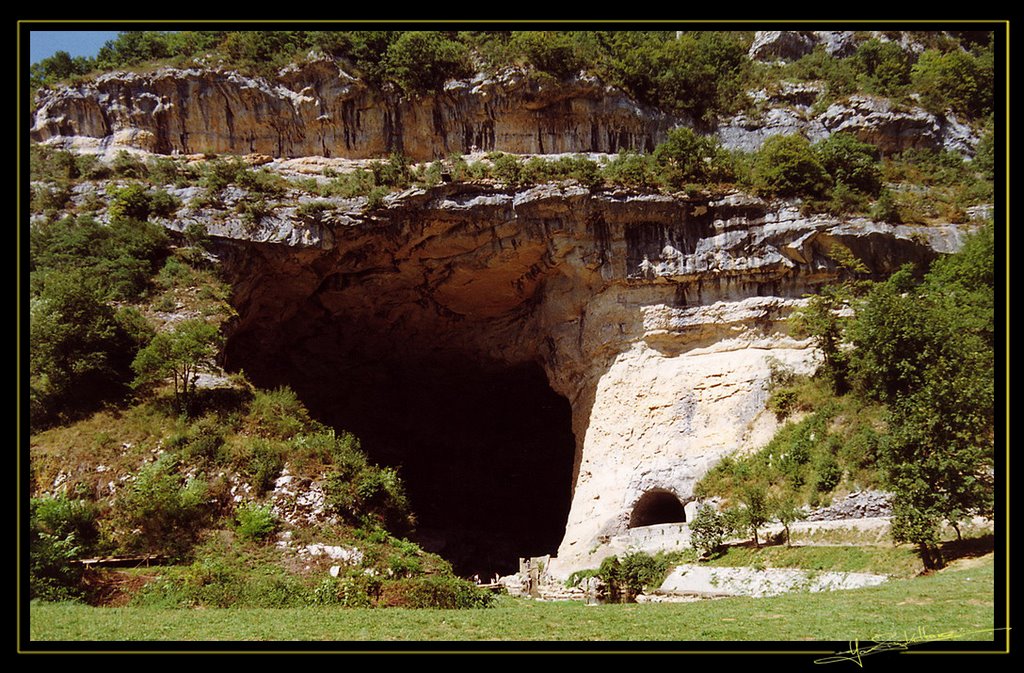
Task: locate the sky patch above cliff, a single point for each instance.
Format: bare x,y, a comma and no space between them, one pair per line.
45,43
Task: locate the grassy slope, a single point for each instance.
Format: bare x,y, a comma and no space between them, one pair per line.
959,599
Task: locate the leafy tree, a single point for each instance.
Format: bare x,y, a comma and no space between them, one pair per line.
822,320
77,347
61,66
422,61
885,65
686,157
549,51
707,531
752,511
178,355
850,162
787,166
783,508
955,80
927,349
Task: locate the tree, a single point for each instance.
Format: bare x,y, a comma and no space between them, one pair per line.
821,319
788,166
178,355
686,157
927,349
752,512
850,162
707,531
76,344
784,509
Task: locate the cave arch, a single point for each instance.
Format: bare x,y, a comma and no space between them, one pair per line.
656,506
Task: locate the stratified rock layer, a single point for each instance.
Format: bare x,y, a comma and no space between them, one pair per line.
655,316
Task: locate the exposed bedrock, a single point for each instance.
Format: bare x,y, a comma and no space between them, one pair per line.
538,361
317,109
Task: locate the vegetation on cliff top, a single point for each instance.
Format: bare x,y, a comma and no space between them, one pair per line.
699,73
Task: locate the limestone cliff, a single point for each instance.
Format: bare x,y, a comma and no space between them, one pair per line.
655,316
317,109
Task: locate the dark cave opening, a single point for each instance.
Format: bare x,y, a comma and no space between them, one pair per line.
657,506
485,450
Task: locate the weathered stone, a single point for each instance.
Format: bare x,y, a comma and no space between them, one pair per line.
789,45
315,109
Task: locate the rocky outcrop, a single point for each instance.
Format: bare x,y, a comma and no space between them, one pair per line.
655,316
317,109
890,128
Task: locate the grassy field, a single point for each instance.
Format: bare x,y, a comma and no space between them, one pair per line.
958,600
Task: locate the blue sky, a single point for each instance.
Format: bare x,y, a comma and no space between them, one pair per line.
44,43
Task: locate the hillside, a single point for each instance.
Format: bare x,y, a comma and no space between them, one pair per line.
499,307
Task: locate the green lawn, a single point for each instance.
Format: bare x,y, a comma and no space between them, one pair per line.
958,600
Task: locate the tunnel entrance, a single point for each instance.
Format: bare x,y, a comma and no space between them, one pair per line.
485,449
657,506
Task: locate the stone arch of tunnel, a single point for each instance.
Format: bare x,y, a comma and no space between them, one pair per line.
485,449
656,506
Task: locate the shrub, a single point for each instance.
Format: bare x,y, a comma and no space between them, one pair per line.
686,157
506,168
255,522
788,166
956,80
548,51
707,531
631,169
160,511
422,61
434,591
278,413
54,524
850,162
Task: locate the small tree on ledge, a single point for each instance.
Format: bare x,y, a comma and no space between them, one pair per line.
178,355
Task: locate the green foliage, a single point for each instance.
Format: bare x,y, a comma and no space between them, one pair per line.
127,165
957,80
422,61
631,169
434,591
884,65
927,349
179,355
700,73
278,414
630,576
255,522
822,319
263,463
685,157
54,528
135,202
160,511
850,162
506,168
61,66
118,259
752,511
707,531
788,166
76,344
548,51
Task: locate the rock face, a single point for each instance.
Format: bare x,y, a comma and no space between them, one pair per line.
319,110
654,316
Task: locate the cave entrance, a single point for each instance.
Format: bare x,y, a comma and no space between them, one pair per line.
657,506
485,449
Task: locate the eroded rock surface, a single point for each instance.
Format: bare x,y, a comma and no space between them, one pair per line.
654,316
